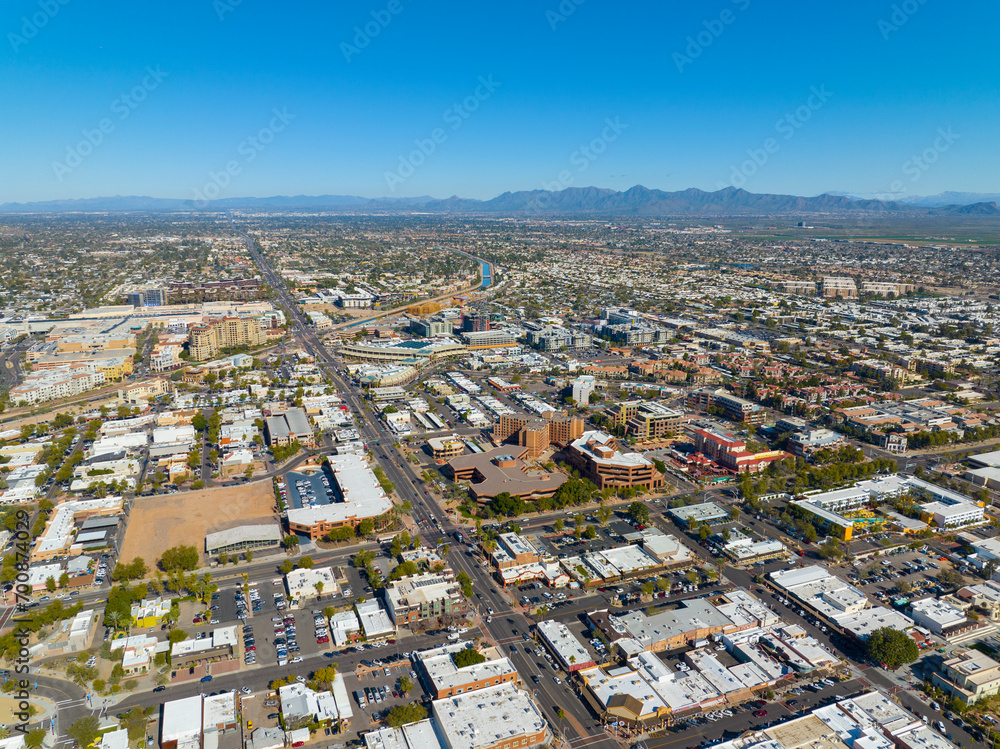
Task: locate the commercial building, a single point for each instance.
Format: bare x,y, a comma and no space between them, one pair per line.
947,621
357,496
500,470
435,327
221,644
291,426
645,420
598,457
417,352
537,434
242,538
445,679
969,676
489,339
443,448
500,717
554,339
150,611
744,550
302,706
311,583
207,340
196,722
732,453
424,598
732,407
564,645
692,516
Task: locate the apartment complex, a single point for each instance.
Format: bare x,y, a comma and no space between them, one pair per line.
838,287
597,456
60,382
423,598
645,420
206,341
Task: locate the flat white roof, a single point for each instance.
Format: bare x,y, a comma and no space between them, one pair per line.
362,494
487,716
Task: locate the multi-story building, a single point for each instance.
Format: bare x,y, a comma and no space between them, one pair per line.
500,471
969,676
206,341
885,288
475,323
431,328
805,288
645,420
58,382
839,287
537,434
597,456
446,679
424,598
443,448
581,388
232,289
809,441
358,496
553,339
489,339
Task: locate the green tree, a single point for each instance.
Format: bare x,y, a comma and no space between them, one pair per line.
468,657
403,714
891,647
84,730
559,525
638,513
180,558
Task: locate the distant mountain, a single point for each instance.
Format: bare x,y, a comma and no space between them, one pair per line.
636,201
973,209
952,198
642,201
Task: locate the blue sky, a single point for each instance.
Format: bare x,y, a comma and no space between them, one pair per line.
701,94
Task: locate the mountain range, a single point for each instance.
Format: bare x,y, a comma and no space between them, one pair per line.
636,201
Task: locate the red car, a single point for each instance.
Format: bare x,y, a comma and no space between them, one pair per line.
760,713
251,648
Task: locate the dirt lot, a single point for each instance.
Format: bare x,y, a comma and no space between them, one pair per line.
159,523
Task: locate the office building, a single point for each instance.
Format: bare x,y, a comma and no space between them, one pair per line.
645,420
598,457
969,676
424,598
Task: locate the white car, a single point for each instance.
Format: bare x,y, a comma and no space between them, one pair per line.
246,690
300,679
297,659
